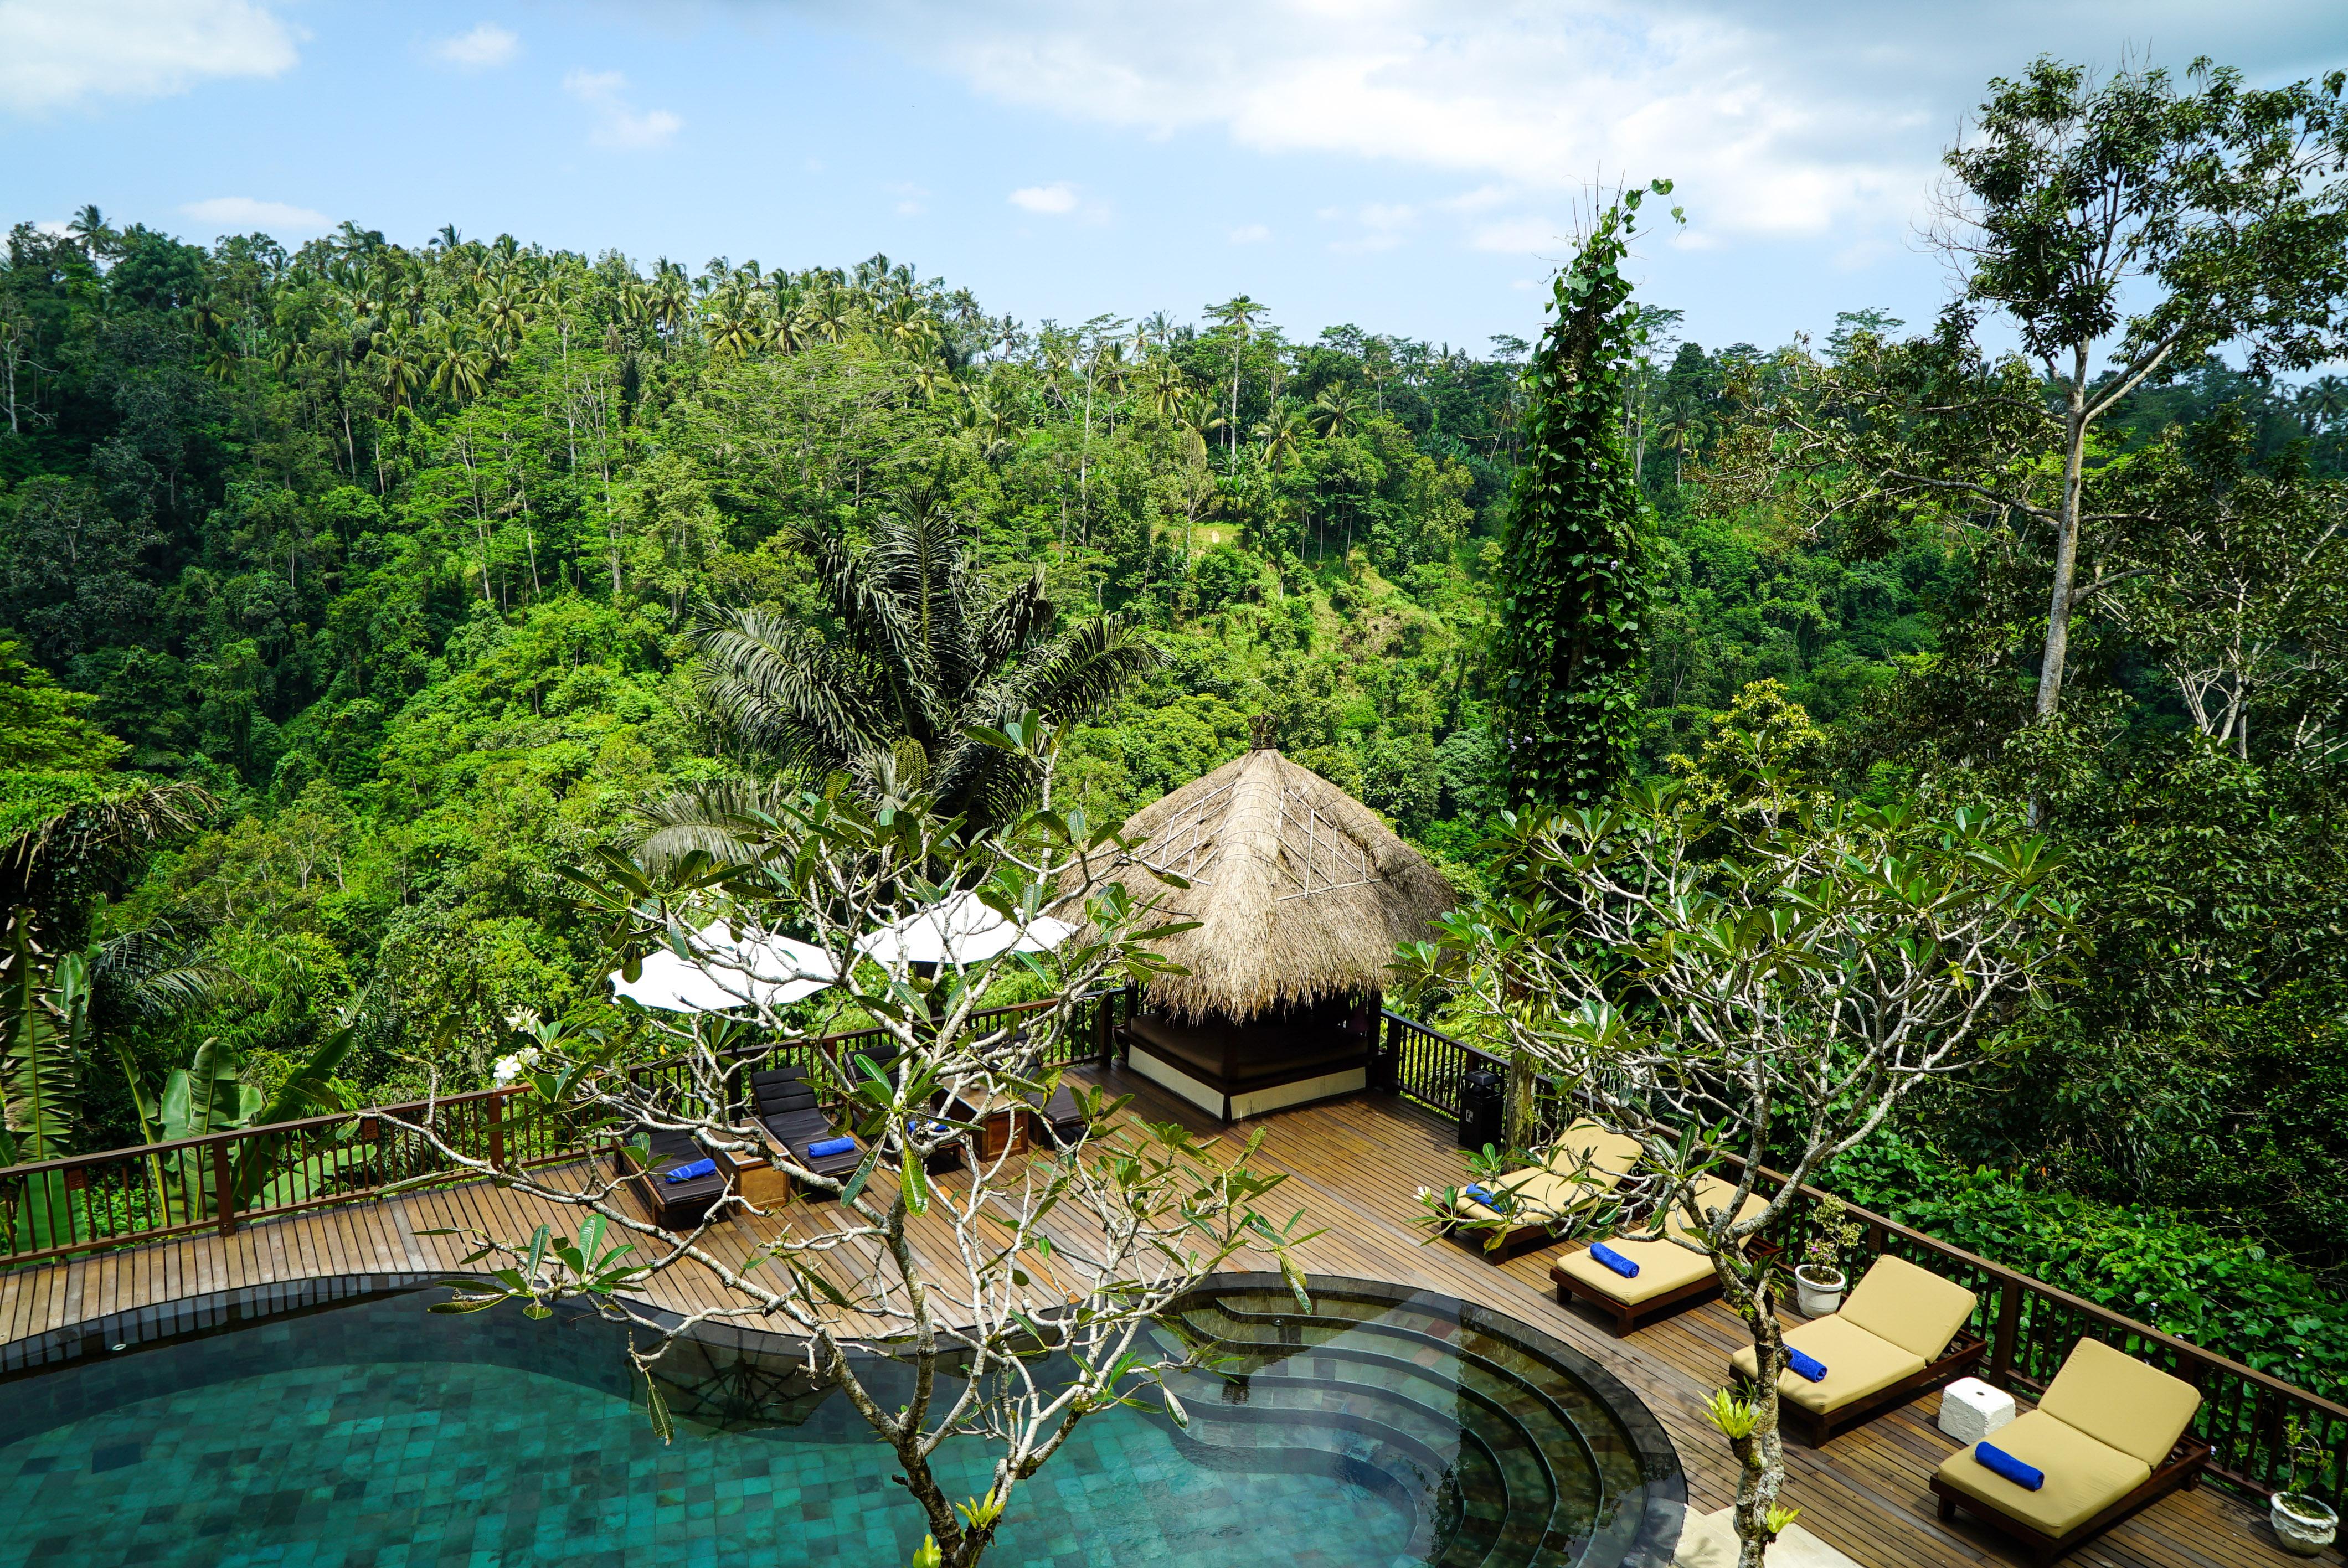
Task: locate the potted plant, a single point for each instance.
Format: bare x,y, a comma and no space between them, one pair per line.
1818,1281
2304,1523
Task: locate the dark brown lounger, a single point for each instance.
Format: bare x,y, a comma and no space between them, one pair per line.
671,1205
785,1106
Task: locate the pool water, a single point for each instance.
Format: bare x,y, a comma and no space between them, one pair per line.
1387,1430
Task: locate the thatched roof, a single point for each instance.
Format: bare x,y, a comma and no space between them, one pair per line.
1299,889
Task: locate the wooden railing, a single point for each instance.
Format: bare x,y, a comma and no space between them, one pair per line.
88,1203
2030,1326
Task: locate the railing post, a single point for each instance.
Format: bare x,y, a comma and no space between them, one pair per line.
497,1130
224,1187
2009,1327
1390,1062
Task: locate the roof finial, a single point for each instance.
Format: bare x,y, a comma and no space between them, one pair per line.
1259,733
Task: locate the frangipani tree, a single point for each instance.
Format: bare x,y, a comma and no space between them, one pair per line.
1761,984
1015,1295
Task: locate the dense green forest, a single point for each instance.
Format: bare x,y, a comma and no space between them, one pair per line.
411,560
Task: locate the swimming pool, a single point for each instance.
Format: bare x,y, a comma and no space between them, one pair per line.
1391,1427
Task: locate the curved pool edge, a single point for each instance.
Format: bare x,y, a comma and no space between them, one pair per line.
1664,1478
1664,1484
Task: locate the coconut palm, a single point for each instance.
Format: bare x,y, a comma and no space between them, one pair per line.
1167,389
463,370
59,984
923,649
1283,437
1238,314
1337,411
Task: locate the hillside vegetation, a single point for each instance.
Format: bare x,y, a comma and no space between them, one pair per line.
407,558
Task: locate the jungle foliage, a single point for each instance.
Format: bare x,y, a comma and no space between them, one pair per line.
430,569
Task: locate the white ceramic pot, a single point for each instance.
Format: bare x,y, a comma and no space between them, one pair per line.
1817,1291
2305,1525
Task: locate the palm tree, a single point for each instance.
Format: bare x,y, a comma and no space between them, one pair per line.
55,874
1238,314
1337,411
463,370
1167,389
504,310
1682,432
1283,437
2324,402
922,651
62,860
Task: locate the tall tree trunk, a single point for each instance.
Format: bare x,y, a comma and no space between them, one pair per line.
2066,543
1761,1458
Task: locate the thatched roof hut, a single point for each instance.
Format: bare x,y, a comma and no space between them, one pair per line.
1299,890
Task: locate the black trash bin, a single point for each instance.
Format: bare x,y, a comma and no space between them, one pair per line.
1483,1102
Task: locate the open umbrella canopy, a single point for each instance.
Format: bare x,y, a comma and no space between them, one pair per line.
960,930
772,971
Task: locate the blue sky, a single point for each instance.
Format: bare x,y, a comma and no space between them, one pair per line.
1413,166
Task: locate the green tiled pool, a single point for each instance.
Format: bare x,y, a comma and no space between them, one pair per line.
1389,1429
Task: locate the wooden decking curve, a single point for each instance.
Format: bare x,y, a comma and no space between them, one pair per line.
1354,1166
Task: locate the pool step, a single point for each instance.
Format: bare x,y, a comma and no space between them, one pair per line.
1373,1383
1548,1517
1549,1514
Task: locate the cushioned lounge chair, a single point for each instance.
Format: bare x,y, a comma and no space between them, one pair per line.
1059,1121
2109,1436
1670,1279
672,1205
785,1104
1896,1337
1582,1165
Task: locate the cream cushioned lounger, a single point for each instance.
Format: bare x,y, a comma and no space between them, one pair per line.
1551,1190
1894,1327
2107,1422
1662,1265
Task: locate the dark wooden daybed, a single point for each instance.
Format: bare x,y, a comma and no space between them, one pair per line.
1235,1069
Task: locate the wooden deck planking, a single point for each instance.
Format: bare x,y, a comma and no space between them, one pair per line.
1354,1167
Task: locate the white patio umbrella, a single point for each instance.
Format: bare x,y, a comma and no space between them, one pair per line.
960,930
772,970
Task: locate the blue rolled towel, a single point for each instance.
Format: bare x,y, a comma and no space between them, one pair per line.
693,1172
1805,1365
831,1146
1992,1458
1613,1260
1481,1196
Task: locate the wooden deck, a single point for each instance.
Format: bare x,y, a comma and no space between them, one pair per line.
1355,1165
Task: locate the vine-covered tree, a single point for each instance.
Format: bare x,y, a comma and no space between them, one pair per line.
1572,572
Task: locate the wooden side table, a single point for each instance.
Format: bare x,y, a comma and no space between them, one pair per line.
756,1180
1005,1124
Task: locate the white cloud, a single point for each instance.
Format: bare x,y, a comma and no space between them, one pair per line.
912,201
1251,234
1774,120
1522,237
485,46
618,123
244,214
1380,226
60,56
1055,199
